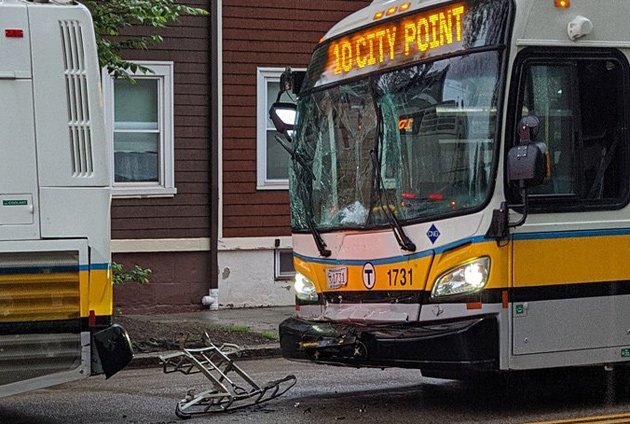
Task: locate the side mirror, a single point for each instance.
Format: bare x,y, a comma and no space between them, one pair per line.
527,163
283,116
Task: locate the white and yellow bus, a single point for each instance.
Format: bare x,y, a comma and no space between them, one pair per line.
460,187
55,173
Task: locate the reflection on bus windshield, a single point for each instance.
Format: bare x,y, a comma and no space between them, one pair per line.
435,144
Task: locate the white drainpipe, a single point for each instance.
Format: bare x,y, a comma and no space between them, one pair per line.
212,300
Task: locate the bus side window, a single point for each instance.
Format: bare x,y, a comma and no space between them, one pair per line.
581,109
550,96
602,120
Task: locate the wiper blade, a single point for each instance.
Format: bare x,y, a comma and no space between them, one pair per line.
319,241
403,240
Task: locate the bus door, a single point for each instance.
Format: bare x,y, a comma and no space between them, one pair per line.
571,278
18,163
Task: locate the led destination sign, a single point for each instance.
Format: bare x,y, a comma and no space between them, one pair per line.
411,38
408,39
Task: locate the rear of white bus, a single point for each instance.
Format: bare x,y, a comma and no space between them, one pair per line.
55,273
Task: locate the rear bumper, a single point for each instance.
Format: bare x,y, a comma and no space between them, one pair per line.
465,345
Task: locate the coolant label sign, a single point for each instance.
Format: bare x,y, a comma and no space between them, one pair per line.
14,202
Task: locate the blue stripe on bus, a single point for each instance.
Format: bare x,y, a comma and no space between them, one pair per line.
52,269
572,234
95,267
394,259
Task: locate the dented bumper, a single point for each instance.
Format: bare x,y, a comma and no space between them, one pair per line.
466,345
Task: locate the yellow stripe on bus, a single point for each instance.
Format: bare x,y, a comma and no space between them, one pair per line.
614,418
45,297
410,275
553,261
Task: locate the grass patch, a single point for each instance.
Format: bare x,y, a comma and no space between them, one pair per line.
237,329
271,335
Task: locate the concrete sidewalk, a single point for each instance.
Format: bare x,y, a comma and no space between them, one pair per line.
259,320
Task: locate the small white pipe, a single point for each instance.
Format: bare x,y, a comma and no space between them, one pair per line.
212,300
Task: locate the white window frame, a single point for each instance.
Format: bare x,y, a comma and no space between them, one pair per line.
263,76
279,275
163,72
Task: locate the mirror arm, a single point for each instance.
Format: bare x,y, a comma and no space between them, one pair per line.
500,225
524,205
499,229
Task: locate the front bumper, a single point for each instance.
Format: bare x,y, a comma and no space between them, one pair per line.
464,345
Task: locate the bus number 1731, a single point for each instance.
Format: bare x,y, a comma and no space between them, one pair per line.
400,277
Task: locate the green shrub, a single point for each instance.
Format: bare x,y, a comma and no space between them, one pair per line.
137,274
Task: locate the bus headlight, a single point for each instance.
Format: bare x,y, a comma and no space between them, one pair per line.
304,288
467,278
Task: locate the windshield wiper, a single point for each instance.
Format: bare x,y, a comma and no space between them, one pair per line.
401,237
319,241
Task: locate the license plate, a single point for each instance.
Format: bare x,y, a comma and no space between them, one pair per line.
336,277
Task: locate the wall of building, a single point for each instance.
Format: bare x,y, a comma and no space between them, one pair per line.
180,277
243,286
178,282
275,33
187,214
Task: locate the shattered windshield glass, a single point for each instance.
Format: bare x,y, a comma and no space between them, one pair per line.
435,145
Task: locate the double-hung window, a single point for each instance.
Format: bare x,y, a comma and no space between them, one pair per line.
139,115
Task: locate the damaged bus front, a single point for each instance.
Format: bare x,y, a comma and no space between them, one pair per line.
460,188
395,152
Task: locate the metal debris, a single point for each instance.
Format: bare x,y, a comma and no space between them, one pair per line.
230,387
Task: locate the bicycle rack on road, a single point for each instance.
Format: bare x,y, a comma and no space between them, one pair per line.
230,387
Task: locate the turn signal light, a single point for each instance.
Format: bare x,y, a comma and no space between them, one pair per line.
562,4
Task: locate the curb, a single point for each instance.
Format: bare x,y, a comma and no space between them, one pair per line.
152,360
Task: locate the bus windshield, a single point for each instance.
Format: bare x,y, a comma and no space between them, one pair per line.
419,141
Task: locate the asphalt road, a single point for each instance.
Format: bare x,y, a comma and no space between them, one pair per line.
331,395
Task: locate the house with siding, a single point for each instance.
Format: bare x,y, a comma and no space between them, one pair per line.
200,186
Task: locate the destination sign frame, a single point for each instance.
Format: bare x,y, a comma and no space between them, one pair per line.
416,36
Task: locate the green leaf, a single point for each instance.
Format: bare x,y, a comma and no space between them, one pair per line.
112,16
137,274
